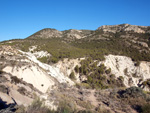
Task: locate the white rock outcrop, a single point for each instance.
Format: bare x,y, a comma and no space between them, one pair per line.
124,66
40,75
122,27
67,66
33,75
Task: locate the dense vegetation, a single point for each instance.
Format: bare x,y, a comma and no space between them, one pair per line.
91,46
98,76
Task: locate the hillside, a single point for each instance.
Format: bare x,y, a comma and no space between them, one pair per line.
124,39
102,70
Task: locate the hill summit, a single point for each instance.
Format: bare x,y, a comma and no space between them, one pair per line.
78,34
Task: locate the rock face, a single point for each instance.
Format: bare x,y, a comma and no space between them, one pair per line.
16,91
28,68
22,77
33,75
67,66
75,34
124,66
122,27
134,74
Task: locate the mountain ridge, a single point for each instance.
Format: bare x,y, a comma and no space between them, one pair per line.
78,34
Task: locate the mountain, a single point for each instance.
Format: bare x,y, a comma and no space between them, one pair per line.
53,33
125,28
102,70
78,34
46,33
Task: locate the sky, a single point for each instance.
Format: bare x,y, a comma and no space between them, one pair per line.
21,18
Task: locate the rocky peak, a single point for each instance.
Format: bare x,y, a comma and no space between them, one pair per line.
73,33
78,34
53,33
123,27
47,33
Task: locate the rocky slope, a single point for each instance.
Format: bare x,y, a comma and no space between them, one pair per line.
133,74
78,34
53,33
124,27
71,67
123,66
23,77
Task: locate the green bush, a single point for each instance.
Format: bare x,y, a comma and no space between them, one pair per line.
145,108
76,69
81,70
43,59
112,76
54,59
72,76
137,63
83,85
121,78
108,71
85,111
101,70
133,92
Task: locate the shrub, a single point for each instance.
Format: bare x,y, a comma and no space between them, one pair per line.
37,106
121,78
146,83
85,104
102,66
72,76
137,63
76,69
3,89
90,79
15,80
54,59
145,108
81,70
3,79
22,90
133,92
112,76
66,106
83,85
21,109
108,71
85,111
43,59
101,70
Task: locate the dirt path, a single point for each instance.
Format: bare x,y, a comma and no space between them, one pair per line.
92,98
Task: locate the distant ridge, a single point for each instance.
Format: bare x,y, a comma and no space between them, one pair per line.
79,34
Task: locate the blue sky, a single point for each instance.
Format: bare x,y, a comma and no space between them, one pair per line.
21,18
